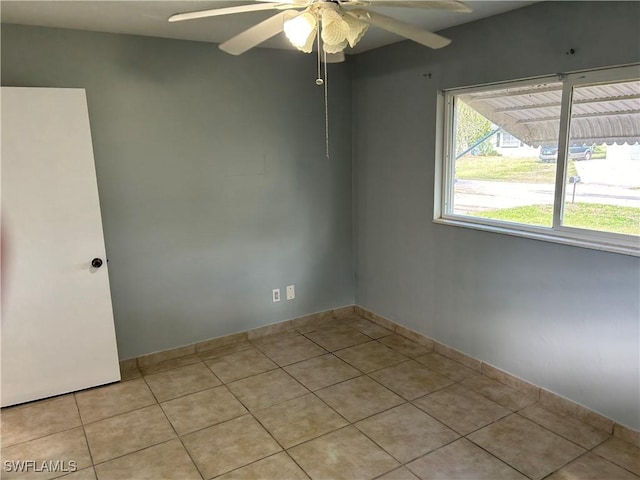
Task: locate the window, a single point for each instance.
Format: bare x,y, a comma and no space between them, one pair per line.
556,158
506,140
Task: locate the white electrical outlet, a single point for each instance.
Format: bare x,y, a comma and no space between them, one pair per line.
276,295
291,292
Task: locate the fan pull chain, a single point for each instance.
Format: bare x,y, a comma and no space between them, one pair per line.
326,104
320,81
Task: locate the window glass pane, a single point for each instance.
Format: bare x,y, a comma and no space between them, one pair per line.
603,190
505,144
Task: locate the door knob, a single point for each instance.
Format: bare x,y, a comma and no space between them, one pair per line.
96,263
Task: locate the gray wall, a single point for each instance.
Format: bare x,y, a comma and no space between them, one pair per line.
214,189
213,179
562,317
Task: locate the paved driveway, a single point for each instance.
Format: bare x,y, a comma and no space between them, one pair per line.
479,195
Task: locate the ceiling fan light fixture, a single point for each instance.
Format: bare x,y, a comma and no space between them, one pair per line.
339,29
357,30
301,31
337,48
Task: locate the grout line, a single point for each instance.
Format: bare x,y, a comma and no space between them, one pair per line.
611,461
199,429
180,440
495,456
331,385
556,433
250,463
4,447
276,367
307,391
349,423
286,452
84,432
133,451
46,400
169,369
320,319
249,412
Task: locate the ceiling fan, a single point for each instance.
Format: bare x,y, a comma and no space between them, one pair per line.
332,24
339,23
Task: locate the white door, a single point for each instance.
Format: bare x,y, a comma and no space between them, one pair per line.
57,321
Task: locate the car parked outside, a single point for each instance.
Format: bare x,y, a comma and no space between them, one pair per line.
549,153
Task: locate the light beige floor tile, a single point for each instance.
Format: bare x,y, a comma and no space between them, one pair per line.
626,434
235,366
404,345
592,467
291,350
447,367
84,474
320,372
38,419
337,338
525,446
225,350
620,453
311,323
370,356
181,381
229,445
513,381
103,402
216,343
276,467
410,379
401,473
359,398
560,404
170,364
266,389
202,409
504,395
274,337
298,420
280,329
167,461
129,374
335,324
406,432
344,454
165,355
461,409
131,363
68,446
128,432
462,460
367,327
566,426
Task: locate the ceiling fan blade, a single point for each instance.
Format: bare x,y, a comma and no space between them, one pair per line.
449,5
406,30
257,34
214,12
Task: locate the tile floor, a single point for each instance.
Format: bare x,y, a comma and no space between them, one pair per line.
347,399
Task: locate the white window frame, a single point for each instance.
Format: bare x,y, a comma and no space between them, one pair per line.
445,165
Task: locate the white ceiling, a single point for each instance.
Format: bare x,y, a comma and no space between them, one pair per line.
149,18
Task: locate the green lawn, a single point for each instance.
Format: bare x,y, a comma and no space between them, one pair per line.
594,216
505,169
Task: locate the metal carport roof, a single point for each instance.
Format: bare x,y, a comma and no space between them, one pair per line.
600,113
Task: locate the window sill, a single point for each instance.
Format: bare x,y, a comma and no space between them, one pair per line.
543,234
